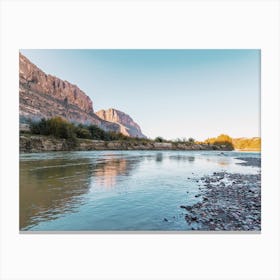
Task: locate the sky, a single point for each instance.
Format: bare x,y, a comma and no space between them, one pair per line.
169,93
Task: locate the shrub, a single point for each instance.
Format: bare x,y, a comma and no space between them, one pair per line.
159,139
224,140
83,133
60,128
191,140
39,127
55,126
96,132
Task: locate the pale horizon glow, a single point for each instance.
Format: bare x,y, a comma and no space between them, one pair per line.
169,93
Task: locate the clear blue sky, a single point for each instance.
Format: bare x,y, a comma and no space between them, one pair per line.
169,93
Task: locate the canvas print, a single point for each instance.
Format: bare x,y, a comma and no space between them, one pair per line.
129,140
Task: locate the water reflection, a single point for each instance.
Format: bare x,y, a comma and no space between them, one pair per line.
159,157
224,161
107,173
52,187
112,190
182,158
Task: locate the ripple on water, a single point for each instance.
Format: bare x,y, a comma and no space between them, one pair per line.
116,190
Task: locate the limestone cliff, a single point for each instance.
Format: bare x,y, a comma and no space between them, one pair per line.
127,125
46,96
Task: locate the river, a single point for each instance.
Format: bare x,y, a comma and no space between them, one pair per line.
116,190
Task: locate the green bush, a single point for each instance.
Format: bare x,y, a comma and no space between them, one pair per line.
60,128
191,140
56,126
83,133
39,127
97,133
159,139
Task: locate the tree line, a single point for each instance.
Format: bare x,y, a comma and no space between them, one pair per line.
60,128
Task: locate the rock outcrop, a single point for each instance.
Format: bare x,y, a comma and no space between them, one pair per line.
46,96
127,126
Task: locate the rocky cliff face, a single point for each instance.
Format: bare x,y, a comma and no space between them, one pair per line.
127,125
33,79
46,96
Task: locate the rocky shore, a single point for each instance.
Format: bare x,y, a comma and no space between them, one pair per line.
229,202
39,143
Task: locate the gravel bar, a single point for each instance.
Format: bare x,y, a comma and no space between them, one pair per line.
229,202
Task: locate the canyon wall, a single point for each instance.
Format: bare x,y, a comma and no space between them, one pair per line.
46,96
127,125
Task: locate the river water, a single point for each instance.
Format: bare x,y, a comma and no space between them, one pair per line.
116,190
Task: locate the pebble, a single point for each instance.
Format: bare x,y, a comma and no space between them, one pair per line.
235,207
186,207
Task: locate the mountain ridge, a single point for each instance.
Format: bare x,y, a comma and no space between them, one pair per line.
43,95
127,125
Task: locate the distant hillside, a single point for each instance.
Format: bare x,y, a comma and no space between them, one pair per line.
127,125
243,144
252,144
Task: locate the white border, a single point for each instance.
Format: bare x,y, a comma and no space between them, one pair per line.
143,24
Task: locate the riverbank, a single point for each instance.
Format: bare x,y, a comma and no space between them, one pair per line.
39,143
229,201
